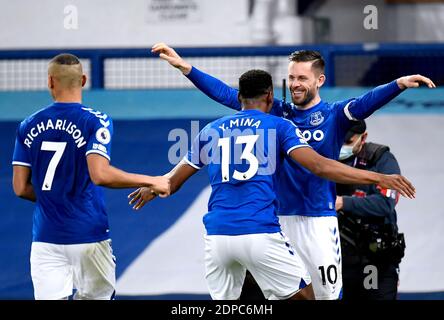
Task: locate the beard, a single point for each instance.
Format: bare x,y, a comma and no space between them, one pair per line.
304,99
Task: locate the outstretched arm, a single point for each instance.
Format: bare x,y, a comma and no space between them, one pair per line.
21,182
212,87
103,174
341,173
363,106
177,176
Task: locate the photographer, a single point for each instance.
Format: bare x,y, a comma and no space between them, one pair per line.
371,246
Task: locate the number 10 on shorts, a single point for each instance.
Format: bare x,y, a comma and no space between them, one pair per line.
330,274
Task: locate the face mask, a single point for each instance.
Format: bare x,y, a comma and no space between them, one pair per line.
347,151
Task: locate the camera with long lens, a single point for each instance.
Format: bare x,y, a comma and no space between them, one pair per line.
372,238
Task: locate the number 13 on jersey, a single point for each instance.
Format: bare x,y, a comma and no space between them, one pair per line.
247,154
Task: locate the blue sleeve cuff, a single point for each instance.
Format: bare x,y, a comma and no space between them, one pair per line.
191,75
394,86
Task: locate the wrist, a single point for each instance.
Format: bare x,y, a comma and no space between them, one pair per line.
377,178
149,182
400,84
185,68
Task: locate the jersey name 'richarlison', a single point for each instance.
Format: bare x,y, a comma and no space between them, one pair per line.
58,124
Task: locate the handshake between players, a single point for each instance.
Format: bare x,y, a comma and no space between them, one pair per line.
171,182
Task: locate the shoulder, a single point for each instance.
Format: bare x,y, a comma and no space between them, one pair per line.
379,152
93,112
33,117
286,128
216,123
339,105
387,155
283,122
270,117
387,163
220,120
96,116
210,127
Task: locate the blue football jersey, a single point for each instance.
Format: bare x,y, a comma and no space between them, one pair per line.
243,153
323,126
54,143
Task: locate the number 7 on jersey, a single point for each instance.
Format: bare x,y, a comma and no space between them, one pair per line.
58,148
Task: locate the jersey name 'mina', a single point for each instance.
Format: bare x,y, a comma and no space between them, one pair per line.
58,124
247,122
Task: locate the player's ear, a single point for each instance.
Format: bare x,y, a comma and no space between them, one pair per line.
83,80
321,80
270,97
364,137
50,82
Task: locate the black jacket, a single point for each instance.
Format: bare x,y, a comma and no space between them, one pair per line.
370,201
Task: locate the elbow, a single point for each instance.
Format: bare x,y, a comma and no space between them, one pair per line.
319,170
19,192
19,189
99,178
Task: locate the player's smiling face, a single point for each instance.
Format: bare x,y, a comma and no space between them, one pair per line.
303,82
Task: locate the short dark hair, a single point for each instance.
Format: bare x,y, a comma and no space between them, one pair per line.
65,59
309,55
357,127
255,83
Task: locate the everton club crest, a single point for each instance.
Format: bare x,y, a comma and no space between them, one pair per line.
316,118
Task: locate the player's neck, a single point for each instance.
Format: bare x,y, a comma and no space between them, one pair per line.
258,107
66,97
254,104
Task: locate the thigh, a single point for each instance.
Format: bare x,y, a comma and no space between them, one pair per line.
51,273
276,266
223,273
318,242
94,270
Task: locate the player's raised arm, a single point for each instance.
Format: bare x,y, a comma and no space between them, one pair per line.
340,173
210,86
177,177
172,57
21,182
363,106
103,174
